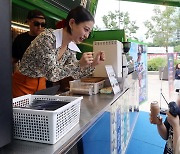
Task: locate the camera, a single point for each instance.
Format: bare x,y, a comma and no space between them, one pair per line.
174,109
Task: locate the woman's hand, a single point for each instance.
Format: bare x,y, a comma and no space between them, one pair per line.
86,59
173,121
100,56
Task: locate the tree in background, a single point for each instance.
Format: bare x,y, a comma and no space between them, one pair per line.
178,18
177,48
96,28
120,20
177,43
162,26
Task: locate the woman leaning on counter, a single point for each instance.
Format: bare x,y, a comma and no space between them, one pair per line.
52,55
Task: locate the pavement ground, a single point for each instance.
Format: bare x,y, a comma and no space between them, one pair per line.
154,90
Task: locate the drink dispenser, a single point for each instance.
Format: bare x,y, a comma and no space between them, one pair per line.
116,55
113,52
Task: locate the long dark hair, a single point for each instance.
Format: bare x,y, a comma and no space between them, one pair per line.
79,14
177,66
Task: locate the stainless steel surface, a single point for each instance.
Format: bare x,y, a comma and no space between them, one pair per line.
92,107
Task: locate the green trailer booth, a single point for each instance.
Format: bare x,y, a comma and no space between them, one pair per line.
97,112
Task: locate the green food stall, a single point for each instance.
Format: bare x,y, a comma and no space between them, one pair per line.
103,118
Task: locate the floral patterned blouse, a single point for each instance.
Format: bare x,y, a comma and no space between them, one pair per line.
41,59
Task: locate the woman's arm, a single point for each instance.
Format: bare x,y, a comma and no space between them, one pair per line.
87,63
176,135
162,130
174,122
41,60
84,64
177,151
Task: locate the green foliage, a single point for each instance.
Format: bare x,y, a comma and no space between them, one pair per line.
176,62
174,43
120,20
150,44
96,28
177,48
171,44
162,25
155,63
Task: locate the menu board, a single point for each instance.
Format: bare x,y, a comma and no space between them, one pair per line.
112,78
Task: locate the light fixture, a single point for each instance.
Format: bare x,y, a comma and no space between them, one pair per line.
19,26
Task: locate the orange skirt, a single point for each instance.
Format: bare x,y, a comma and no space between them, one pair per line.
23,85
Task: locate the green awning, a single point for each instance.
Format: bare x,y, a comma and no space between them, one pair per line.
55,9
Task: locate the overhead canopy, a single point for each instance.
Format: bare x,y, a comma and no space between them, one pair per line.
56,9
160,2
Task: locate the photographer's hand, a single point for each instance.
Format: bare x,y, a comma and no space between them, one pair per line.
157,121
160,126
173,121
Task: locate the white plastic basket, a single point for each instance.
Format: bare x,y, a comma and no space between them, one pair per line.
42,125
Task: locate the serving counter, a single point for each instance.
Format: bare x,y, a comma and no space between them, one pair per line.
109,111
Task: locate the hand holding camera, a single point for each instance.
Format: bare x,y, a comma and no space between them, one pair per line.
173,121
